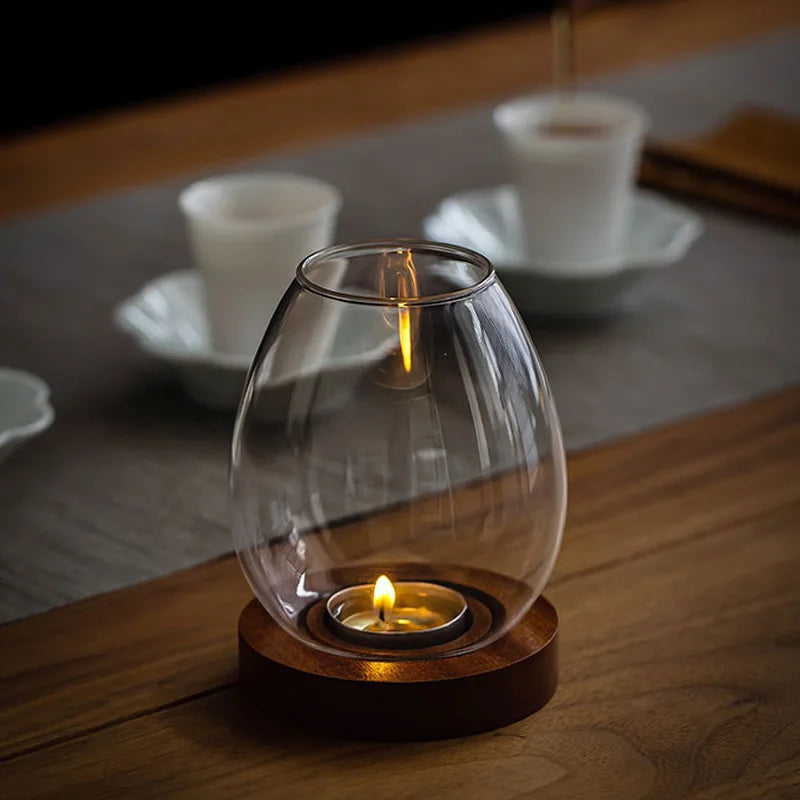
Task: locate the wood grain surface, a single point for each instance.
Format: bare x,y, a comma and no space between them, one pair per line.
680,610
131,147
751,162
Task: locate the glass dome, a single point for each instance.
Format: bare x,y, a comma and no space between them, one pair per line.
396,424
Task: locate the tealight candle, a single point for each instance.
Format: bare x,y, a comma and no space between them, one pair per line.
396,616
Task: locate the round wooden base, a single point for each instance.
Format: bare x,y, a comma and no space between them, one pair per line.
416,699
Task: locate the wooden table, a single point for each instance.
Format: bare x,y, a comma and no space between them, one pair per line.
677,584
679,601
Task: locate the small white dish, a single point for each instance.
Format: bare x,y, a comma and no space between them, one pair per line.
167,319
660,233
24,408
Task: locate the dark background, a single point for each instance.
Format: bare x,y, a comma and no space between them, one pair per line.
61,61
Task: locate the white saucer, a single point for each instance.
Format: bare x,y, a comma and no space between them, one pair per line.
24,408
487,220
167,319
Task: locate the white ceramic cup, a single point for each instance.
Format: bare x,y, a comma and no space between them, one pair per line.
248,233
574,186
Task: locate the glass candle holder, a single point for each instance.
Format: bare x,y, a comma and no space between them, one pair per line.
410,498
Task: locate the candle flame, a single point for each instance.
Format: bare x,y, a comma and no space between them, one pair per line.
383,596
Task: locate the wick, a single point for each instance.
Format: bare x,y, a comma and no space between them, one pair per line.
382,614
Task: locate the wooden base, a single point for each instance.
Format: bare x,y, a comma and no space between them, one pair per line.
415,699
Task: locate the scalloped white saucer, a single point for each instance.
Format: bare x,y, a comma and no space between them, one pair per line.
167,319
24,408
661,232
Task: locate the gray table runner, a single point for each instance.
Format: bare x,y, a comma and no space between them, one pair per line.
130,482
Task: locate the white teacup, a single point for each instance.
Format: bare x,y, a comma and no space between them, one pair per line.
248,233
575,161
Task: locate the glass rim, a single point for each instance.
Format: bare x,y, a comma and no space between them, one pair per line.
378,246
